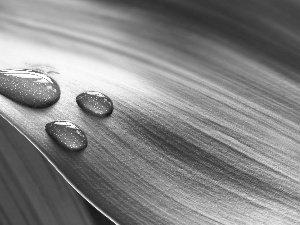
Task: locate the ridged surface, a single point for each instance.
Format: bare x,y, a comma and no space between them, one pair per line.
205,128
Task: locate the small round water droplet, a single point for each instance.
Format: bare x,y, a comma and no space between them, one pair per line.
67,134
96,103
29,87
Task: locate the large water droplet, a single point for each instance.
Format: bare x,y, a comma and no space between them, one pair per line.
95,102
67,134
29,87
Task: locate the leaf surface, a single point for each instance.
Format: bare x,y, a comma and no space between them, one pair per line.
204,130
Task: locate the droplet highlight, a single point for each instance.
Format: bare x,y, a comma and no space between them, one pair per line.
29,87
45,69
67,134
96,103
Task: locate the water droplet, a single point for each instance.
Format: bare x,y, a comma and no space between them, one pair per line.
43,68
96,103
29,87
67,134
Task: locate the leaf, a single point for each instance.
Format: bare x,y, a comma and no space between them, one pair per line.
205,128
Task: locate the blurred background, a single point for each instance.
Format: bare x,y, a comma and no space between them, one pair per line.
32,191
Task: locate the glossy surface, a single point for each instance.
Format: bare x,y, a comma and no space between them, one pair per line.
67,134
96,103
29,87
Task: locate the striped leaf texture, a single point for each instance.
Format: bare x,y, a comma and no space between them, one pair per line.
205,128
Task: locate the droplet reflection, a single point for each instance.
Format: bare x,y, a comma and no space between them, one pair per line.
29,87
67,135
95,103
